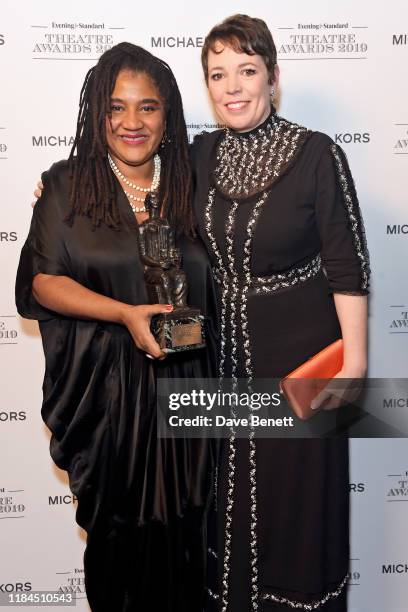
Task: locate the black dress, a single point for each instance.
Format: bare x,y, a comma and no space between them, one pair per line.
278,211
140,499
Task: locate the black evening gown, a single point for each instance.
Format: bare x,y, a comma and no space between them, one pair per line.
141,499
279,253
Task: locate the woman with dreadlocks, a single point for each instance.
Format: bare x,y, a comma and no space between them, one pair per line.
140,499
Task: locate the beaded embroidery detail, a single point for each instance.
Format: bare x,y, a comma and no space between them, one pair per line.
212,594
249,163
238,296
314,605
353,211
281,280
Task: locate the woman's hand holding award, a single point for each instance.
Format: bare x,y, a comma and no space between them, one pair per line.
166,283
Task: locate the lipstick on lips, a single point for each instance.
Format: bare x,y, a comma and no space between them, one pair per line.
237,105
133,139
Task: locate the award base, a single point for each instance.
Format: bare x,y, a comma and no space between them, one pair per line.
180,330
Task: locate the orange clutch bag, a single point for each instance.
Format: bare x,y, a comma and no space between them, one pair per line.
302,385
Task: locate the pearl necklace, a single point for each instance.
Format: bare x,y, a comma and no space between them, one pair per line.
153,187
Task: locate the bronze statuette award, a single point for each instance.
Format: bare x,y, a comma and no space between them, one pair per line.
182,329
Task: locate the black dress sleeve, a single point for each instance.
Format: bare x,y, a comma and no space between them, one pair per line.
340,224
45,248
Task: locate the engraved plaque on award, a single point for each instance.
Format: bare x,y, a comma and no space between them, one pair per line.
166,283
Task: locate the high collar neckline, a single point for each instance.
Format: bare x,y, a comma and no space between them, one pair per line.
270,119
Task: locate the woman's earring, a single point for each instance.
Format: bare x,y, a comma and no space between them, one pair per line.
272,93
165,140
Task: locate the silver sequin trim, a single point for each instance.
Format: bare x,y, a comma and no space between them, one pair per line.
289,278
248,164
313,605
212,594
233,286
249,374
230,283
216,488
281,280
229,238
354,215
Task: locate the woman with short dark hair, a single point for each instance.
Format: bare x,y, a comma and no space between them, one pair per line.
277,208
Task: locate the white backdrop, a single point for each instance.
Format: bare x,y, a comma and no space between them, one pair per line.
343,71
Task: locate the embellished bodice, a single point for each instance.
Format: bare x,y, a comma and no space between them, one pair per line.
276,206
250,162
285,204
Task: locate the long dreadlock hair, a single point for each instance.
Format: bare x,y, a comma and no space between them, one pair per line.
93,184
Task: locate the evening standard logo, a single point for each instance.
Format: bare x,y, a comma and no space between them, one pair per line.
352,137
400,145
399,319
399,40
178,41
8,331
323,40
12,503
72,40
196,128
72,581
62,500
52,141
397,490
20,586
2,40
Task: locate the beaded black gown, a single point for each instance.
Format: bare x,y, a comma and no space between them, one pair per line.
278,212
141,499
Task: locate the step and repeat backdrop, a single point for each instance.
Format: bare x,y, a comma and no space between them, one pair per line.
343,71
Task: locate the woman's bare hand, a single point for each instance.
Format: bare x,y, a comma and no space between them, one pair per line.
137,320
343,389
